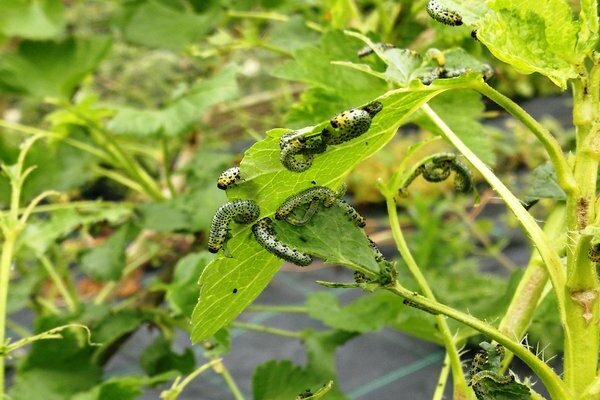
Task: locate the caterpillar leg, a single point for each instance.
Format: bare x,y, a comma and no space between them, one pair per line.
352,214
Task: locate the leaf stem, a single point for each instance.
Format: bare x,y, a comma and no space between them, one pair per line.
57,280
564,174
551,380
222,369
460,385
267,329
178,385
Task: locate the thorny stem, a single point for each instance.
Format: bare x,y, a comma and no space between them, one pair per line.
461,390
549,378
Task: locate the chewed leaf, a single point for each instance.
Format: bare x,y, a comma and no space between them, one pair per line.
532,36
268,183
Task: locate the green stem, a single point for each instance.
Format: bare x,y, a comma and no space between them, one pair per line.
5,262
60,286
529,292
179,385
442,380
549,255
166,167
582,287
280,309
461,390
549,378
230,382
564,175
267,329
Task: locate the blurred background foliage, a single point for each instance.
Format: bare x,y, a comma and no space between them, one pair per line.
143,103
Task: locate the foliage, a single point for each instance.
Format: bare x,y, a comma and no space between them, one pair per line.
117,117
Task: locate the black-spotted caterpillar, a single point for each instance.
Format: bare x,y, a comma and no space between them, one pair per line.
315,196
240,211
265,235
438,168
350,124
594,253
443,14
297,151
229,178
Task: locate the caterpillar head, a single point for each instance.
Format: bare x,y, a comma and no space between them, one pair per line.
229,178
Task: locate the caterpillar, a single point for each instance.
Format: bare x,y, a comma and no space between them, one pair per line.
229,178
439,168
264,232
594,253
297,152
463,181
352,214
443,14
376,252
350,124
366,51
313,196
411,303
240,211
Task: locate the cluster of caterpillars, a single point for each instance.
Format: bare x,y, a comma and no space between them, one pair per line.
438,168
297,150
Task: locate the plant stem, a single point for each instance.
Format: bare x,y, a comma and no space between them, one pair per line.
442,380
582,286
550,379
549,255
166,167
5,263
527,296
461,391
230,382
564,175
267,329
179,385
281,309
57,280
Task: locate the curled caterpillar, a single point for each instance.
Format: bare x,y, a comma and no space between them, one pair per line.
240,211
350,124
264,232
229,178
366,51
438,169
443,14
297,152
594,253
463,181
312,196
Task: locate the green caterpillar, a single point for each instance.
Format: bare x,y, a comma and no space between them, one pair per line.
264,232
314,196
443,14
350,124
366,51
297,152
228,178
443,73
240,211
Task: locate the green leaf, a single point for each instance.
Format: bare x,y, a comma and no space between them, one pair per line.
159,24
404,65
532,36
51,68
470,10
106,261
182,292
182,113
109,327
465,123
55,369
282,380
544,185
119,388
158,358
269,184
344,87
368,313
588,29
32,19
41,233
293,34
321,348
